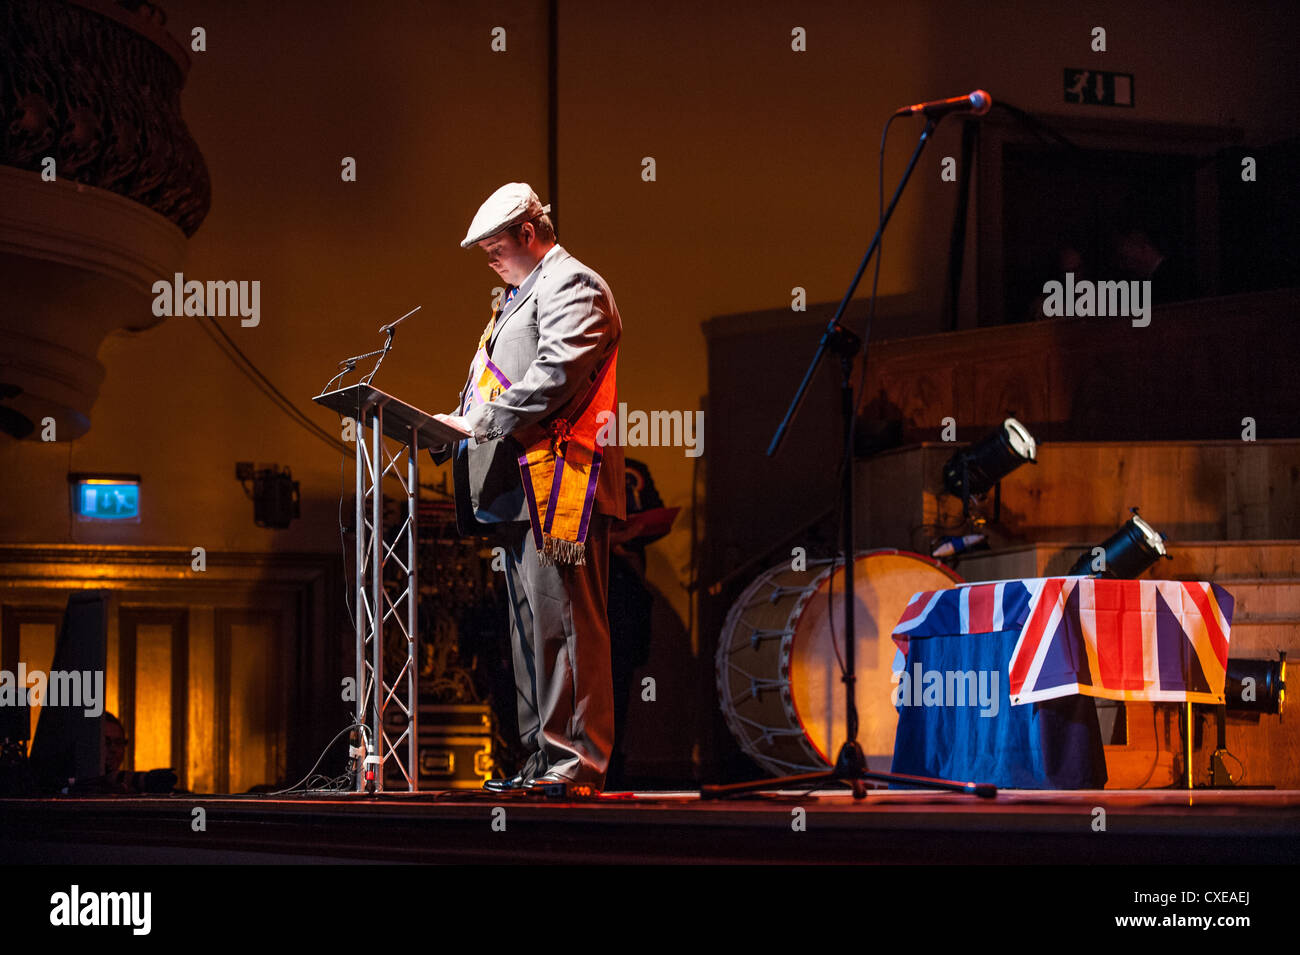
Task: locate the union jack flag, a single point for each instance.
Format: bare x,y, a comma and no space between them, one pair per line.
1153,640
968,609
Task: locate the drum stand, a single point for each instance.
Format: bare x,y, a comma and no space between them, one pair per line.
851,764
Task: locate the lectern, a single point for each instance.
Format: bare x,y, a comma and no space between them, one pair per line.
386,598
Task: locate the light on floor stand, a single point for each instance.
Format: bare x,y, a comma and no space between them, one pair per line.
972,472
1250,686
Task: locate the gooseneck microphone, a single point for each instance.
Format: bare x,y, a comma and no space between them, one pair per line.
978,102
388,329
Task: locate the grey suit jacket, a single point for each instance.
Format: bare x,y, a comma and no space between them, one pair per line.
550,342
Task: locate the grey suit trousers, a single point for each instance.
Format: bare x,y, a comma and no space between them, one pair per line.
560,637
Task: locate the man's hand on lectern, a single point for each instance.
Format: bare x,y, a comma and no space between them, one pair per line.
459,422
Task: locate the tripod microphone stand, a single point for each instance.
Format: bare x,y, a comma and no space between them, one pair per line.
851,764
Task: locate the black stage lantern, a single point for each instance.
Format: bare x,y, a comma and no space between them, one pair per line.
972,471
1126,553
1255,686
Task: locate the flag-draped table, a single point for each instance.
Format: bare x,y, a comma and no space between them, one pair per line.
996,677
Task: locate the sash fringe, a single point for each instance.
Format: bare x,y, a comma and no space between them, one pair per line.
556,550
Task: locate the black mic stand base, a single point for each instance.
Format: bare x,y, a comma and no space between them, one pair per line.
850,769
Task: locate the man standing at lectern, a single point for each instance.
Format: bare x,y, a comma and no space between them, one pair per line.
534,476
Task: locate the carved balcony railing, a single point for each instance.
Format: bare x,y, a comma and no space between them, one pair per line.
96,86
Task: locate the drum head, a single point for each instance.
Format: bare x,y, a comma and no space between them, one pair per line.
884,582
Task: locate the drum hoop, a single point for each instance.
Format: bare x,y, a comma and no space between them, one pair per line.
721,661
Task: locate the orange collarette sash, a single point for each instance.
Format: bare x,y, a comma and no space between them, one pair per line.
560,467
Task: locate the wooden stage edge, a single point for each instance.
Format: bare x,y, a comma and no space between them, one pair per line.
889,827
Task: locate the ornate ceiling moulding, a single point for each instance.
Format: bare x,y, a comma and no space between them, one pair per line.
95,86
147,19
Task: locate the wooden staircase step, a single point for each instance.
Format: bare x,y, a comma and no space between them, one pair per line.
1189,490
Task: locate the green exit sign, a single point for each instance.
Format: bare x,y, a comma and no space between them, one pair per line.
1098,88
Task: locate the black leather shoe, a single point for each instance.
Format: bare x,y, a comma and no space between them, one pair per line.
505,785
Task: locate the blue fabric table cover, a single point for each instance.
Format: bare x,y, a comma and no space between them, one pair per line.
1055,744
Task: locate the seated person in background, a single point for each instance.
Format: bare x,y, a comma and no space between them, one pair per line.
124,781
114,744
1171,278
1068,259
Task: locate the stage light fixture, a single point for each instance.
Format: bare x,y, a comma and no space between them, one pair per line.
1250,686
274,493
973,471
1125,554
1255,686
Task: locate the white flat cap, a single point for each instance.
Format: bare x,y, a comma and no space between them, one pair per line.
513,203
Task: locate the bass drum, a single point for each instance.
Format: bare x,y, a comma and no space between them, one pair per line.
779,672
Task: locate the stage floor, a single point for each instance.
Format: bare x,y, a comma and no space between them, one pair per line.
887,827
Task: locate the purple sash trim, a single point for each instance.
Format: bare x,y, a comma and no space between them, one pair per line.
497,371
530,495
470,398
591,496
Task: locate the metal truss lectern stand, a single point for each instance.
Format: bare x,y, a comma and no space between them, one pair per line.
381,418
